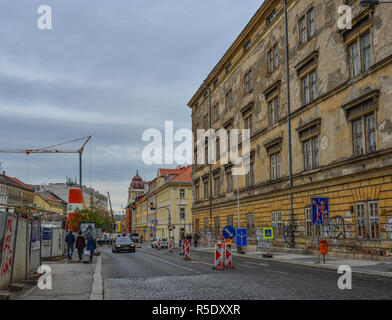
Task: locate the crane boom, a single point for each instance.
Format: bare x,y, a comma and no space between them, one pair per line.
49,150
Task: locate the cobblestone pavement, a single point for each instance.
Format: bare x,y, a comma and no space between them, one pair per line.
149,274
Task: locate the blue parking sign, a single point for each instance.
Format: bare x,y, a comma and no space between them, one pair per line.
241,239
320,210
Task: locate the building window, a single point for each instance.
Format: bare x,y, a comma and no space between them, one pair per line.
206,189
182,193
276,221
182,213
368,220
250,224
273,59
197,192
308,221
217,227
273,110
248,82
249,124
307,27
217,154
311,153
229,182
250,176
275,165
309,87
216,186
367,141
360,53
229,99
216,111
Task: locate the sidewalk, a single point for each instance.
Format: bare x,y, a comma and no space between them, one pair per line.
70,281
368,267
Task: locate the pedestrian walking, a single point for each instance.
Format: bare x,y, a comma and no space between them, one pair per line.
70,240
80,244
91,245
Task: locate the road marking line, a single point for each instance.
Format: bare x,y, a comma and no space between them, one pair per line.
258,264
244,265
174,264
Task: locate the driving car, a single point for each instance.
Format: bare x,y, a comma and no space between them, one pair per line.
123,244
135,237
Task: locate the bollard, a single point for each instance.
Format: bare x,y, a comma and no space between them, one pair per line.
219,256
171,246
159,245
228,257
187,252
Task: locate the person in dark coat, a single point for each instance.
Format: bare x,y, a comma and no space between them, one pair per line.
91,245
70,240
80,244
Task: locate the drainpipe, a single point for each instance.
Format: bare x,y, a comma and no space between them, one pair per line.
292,217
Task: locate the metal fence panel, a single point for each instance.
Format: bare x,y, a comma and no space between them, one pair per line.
8,249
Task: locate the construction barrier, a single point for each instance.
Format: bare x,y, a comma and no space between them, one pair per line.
182,250
228,257
19,248
219,256
159,245
171,244
187,251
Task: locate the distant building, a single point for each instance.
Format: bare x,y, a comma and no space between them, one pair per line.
15,194
92,198
48,202
167,204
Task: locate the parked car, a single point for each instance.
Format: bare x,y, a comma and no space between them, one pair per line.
123,244
164,243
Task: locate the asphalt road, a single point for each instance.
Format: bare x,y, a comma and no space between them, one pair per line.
149,274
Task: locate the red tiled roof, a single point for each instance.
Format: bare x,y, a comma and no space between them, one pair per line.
184,176
49,196
16,180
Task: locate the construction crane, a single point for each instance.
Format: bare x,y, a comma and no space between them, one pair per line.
111,213
51,150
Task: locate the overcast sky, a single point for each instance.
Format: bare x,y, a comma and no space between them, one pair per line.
110,69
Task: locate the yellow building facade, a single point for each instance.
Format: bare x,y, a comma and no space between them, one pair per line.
168,203
48,203
341,128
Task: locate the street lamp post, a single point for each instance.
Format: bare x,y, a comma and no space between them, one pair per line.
292,218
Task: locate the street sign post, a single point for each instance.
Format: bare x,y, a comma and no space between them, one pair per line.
320,210
242,238
228,232
268,233
320,216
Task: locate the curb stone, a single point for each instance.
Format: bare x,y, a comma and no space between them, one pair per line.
319,266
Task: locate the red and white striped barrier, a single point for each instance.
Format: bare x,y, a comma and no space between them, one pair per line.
159,245
171,246
228,257
187,252
219,265
182,249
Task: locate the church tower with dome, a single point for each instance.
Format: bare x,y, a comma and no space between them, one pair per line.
136,188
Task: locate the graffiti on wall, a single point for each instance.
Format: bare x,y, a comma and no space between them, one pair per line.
286,232
335,229
6,260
